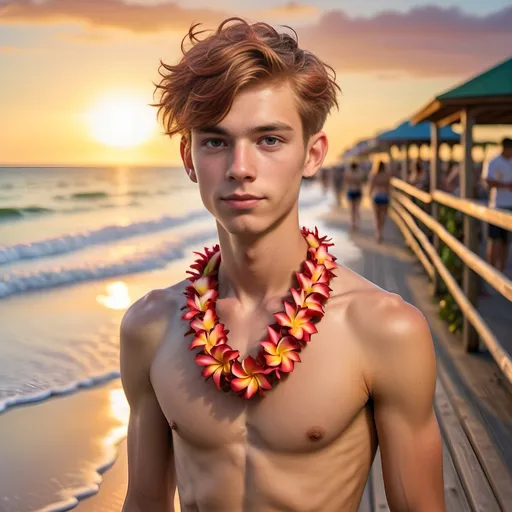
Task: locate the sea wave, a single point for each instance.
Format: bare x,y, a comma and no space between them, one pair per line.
17,213
15,282
74,242
45,394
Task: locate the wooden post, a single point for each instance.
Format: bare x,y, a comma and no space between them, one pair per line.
405,161
435,176
467,191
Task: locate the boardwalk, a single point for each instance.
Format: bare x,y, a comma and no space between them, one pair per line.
473,403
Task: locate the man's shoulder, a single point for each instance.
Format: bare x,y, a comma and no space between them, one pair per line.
383,320
151,313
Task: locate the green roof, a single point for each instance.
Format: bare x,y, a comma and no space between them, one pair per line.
496,81
487,96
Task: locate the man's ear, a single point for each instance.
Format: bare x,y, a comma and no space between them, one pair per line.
316,152
186,157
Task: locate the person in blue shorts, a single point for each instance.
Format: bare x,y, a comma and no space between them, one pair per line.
353,183
379,192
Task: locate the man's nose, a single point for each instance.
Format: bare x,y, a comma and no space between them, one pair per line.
242,165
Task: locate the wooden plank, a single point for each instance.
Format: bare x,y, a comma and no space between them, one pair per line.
424,197
379,500
497,473
454,496
411,241
496,279
499,354
501,218
476,487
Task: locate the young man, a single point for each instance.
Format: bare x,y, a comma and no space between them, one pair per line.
497,174
250,106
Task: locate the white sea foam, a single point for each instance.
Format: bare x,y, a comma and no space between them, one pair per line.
65,390
76,241
158,257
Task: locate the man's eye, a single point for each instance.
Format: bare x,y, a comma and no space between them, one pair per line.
213,143
271,141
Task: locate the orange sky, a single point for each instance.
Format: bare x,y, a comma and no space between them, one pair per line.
60,57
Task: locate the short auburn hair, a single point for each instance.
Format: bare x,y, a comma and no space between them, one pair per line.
200,90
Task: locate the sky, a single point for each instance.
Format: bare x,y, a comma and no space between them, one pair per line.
77,75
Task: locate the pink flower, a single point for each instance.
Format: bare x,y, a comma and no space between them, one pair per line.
217,363
298,321
208,340
250,376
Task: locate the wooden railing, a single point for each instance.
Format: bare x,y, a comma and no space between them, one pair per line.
406,213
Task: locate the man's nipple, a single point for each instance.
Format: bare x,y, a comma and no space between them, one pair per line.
315,434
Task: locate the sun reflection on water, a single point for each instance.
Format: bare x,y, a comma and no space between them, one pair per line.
117,298
120,410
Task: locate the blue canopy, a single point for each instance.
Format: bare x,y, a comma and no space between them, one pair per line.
419,133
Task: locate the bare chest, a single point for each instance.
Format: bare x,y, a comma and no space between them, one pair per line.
307,410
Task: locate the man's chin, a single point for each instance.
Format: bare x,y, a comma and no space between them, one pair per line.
243,227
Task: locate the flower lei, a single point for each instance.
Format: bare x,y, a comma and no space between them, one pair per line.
286,338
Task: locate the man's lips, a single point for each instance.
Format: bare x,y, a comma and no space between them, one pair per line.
241,197
241,201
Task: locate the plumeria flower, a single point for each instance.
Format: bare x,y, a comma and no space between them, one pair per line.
207,323
281,353
200,304
311,302
206,262
217,363
309,287
249,376
322,257
212,264
313,239
202,285
316,273
208,340
298,320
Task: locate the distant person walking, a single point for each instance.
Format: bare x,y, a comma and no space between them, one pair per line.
497,174
337,182
379,193
353,183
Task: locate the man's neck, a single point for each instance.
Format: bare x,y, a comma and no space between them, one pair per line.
260,269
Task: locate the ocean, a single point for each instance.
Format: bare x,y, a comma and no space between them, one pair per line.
77,247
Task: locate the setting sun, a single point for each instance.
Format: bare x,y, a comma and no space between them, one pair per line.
121,121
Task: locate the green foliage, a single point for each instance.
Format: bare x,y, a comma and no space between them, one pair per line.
448,309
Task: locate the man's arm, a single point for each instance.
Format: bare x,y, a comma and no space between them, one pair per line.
151,477
403,378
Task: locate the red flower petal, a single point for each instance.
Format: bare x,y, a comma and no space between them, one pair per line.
286,365
270,348
238,385
251,366
205,360
238,371
283,319
217,377
252,388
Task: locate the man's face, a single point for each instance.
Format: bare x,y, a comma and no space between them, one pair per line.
249,166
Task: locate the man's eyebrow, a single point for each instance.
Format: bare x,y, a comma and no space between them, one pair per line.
271,127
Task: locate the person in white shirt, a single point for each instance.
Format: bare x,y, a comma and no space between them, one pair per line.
497,174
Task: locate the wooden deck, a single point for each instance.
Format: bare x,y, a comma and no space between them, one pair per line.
473,404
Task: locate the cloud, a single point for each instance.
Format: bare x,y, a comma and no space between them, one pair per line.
291,11
425,41
107,13
13,50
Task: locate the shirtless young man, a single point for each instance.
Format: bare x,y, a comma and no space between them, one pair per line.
366,378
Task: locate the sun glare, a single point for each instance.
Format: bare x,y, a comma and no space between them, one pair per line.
122,121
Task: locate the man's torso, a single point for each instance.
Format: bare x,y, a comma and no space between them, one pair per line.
306,446
500,169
